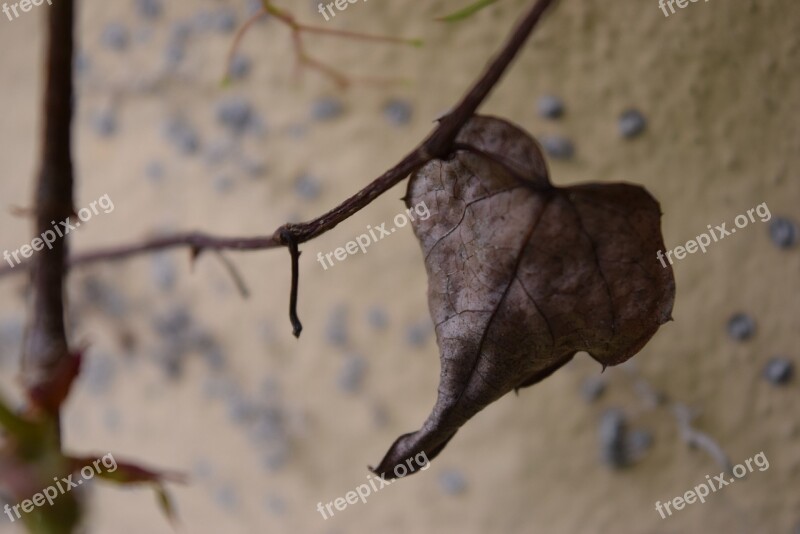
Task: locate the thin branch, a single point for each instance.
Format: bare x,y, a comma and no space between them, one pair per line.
195,240
439,144
45,345
683,415
236,276
237,39
302,57
696,438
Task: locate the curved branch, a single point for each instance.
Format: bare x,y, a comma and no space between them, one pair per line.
437,145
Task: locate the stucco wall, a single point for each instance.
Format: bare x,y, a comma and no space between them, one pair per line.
263,422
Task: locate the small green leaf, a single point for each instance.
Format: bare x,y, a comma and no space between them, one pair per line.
10,421
166,504
467,11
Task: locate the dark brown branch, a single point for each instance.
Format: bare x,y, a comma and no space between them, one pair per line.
438,144
46,341
197,241
307,231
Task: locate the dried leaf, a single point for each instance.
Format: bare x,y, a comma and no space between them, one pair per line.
522,274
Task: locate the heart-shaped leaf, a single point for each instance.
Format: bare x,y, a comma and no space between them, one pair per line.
522,274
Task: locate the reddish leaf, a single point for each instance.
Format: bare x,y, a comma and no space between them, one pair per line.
50,395
125,472
522,274
130,474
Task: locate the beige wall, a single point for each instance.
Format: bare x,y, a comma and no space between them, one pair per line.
718,83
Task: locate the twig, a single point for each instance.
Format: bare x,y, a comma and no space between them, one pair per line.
236,276
297,29
683,415
198,241
438,145
695,438
237,39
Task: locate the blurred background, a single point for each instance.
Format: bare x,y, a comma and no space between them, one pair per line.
700,107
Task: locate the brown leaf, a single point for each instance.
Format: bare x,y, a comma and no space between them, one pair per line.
522,274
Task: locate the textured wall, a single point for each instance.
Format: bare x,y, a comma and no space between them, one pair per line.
184,373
